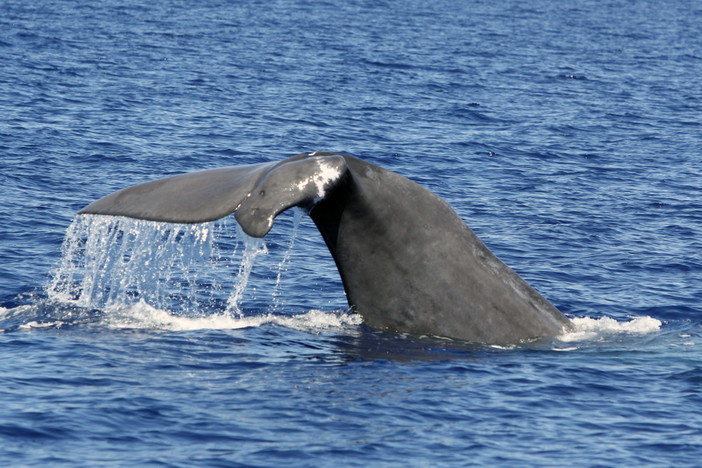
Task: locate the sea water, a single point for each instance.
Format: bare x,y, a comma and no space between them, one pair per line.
566,135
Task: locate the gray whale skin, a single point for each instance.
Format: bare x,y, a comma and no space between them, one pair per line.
408,263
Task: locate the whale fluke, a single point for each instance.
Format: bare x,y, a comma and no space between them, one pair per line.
408,263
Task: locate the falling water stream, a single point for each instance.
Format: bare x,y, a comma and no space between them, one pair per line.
177,276
111,261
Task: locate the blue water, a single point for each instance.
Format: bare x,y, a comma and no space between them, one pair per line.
567,134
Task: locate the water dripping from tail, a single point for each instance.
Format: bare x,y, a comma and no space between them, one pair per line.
110,262
144,274
282,265
253,247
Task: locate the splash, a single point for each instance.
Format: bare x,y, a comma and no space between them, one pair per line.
282,266
142,315
589,329
252,249
110,263
111,260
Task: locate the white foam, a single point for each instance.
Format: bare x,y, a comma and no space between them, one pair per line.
318,321
143,316
589,329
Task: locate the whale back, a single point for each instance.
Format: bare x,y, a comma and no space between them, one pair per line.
407,261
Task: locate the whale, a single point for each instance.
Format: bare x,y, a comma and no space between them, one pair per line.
408,263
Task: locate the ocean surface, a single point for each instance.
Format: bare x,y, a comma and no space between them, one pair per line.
568,136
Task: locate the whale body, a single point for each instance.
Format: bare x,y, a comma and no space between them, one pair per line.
407,261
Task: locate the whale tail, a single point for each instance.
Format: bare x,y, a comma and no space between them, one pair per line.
256,193
407,261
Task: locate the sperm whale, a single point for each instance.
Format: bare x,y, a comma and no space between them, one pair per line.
407,261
